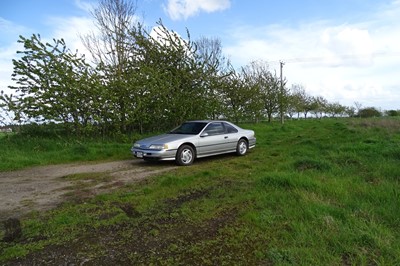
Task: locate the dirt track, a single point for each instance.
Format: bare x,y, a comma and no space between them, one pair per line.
44,187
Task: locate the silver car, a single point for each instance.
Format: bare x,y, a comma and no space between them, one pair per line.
195,139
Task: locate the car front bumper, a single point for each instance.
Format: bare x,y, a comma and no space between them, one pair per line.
163,155
252,143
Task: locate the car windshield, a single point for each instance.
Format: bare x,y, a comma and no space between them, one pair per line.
191,128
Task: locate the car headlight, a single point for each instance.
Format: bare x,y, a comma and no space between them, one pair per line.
136,145
158,146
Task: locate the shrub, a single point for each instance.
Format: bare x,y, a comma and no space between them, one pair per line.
392,113
369,112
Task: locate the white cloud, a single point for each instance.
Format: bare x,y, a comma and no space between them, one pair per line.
347,45
8,27
183,9
339,61
86,6
160,35
67,28
315,42
8,50
70,29
7,54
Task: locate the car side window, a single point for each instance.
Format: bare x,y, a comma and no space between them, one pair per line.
214,129
230,129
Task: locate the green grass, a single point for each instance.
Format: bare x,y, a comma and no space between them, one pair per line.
313,192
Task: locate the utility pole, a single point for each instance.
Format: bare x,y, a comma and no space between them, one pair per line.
281,94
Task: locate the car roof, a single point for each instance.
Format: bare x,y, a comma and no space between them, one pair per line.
206,121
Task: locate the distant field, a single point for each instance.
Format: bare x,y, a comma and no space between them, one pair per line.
313,192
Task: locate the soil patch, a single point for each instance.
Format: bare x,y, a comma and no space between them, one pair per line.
45,187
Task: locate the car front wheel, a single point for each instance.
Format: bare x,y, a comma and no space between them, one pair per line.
185,155
242,147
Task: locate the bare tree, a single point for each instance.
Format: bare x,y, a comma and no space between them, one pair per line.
115,20
358,107
210,52
350,111
216,68
111,49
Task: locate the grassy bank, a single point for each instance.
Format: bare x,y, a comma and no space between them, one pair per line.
18,151
313,192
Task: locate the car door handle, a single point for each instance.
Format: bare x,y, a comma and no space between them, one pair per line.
225,137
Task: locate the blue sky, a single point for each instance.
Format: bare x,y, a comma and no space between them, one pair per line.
344,50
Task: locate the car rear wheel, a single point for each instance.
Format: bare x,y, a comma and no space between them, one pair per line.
242,147
185,155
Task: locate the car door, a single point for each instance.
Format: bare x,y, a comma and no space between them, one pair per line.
212,140
232,136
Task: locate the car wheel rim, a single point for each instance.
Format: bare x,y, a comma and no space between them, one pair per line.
242,147
186,156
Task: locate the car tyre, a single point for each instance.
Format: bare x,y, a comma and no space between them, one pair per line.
242,147
185,155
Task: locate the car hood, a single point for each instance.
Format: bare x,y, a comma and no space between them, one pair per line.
163,139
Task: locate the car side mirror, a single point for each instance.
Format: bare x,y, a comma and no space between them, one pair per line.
204,134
